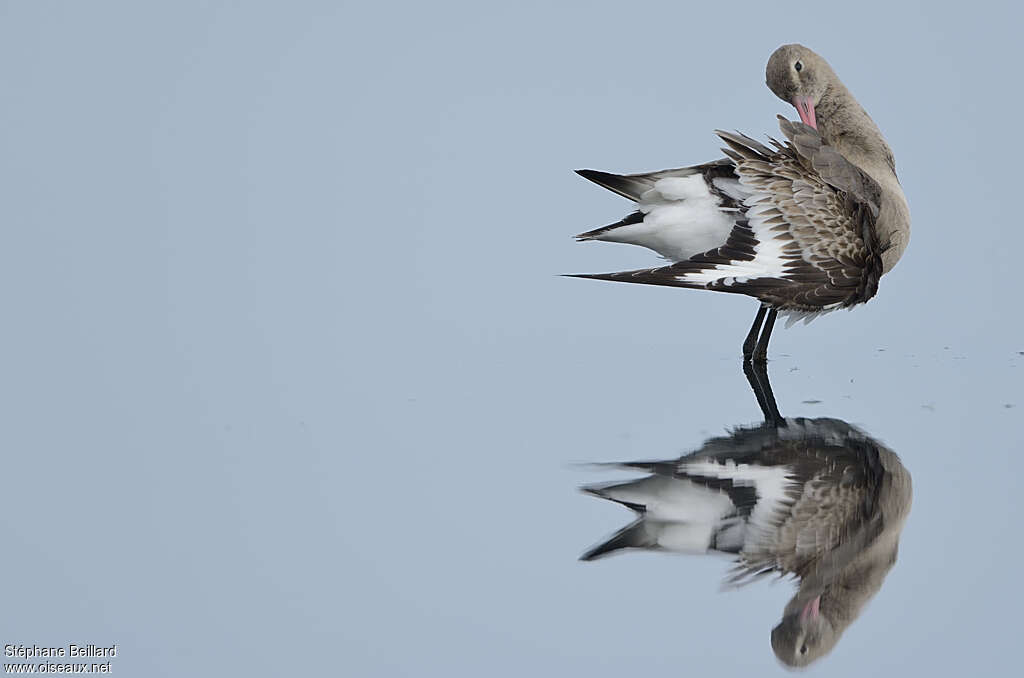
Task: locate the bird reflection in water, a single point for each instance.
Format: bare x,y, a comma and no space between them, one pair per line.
817,499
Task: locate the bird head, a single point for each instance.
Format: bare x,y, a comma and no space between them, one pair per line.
799,76
804,636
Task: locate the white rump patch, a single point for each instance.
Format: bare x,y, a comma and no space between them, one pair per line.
768,261
683,537
681,218
669,499
771,483
678,188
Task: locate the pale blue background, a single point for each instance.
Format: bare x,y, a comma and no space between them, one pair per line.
289,385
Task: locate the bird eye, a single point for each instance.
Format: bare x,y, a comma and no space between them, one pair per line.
798,66
803,649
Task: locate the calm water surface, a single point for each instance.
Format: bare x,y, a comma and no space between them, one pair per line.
291,386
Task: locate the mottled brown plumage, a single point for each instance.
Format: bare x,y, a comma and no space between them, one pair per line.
806,226
835,526
826,233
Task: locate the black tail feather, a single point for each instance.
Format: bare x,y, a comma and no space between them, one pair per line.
633,218
634,535
625,186
604,492
645,276
631,186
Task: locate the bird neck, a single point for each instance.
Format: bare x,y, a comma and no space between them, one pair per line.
846,597
848,128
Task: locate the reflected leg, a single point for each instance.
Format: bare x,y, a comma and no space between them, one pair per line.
761,352
755,330
757,377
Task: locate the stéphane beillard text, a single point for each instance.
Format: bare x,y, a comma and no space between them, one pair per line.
72,650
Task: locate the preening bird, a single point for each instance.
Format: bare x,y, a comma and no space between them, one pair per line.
817,499
806,226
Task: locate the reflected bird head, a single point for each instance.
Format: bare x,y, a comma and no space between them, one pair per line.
804,636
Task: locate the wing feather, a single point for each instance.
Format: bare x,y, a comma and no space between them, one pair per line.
806,240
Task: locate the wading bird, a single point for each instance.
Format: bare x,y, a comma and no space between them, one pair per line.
815,499
805,226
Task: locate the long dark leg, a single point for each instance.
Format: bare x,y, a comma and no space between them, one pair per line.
761,352
757,377
755,330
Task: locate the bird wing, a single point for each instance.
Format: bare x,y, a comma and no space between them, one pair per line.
836,514
806,240
634,186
